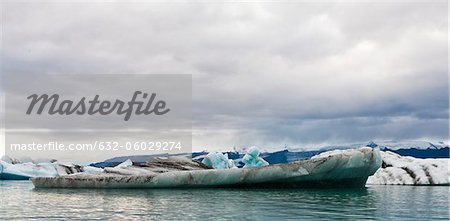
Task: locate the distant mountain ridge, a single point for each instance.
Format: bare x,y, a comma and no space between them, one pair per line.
392,145
417,149
395,145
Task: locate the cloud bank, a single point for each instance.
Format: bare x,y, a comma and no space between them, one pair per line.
268,74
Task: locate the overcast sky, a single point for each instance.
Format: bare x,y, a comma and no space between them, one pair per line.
266,74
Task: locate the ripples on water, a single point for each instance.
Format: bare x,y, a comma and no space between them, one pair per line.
20,201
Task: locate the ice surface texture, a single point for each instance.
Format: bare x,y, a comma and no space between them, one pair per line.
218,160
349,167
401,170
252,158
24,171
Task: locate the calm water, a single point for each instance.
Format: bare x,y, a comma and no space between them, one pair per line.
20,201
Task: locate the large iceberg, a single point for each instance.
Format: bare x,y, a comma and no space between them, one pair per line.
403,170
343,168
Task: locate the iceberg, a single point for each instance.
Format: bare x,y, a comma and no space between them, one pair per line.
7,159
125,164
252,159
405,170
218,160
24,171
348,168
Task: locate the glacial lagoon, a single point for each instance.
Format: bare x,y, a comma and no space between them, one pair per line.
19,200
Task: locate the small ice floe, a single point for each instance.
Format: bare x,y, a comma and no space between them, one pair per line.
125,164
25,171
218,160
9,160
404,170
14,169
252,158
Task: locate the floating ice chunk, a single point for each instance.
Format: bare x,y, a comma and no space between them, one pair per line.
218,160
402,170
332,170
125,164
252,159
10,160
26,170
7,159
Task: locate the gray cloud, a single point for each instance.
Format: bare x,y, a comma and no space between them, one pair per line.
263,73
